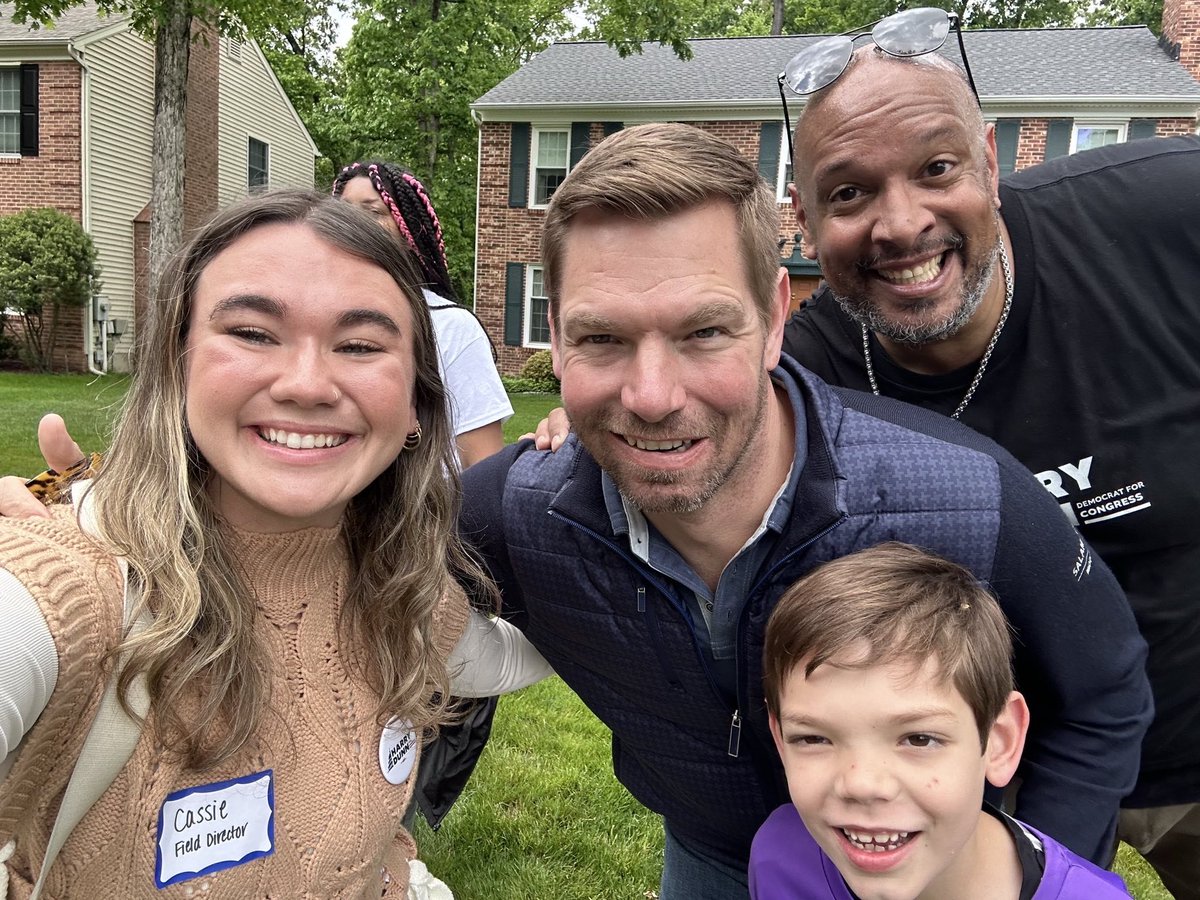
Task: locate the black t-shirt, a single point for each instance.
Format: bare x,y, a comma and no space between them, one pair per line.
1095,386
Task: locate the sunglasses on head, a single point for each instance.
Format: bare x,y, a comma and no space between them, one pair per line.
913,32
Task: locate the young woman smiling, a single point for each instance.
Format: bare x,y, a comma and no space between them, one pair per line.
281,489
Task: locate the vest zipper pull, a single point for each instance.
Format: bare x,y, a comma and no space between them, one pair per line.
735,733
641,599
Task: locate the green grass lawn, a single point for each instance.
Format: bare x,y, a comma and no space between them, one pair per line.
87,402
528,410
543,817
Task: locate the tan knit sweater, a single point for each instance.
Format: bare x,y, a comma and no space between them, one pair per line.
337,820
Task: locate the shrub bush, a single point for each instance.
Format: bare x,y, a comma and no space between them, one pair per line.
538,371
47,264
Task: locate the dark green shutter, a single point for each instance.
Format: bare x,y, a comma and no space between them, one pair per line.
611,128
1007,132
29,109
514,302
769,137
1058,138
581,139
1142,128
518,165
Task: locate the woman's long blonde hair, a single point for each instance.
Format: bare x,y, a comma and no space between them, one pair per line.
154,509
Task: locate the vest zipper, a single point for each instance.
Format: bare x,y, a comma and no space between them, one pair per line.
651,576
740,694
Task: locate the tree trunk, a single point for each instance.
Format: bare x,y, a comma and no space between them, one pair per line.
172,44
777,17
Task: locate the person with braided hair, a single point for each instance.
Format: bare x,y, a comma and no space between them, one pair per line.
478,403
478,406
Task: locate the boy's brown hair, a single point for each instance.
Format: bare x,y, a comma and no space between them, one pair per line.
907,604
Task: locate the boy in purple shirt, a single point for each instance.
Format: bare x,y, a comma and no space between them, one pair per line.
890,693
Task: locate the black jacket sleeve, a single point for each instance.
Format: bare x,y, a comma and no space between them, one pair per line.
1080,662
481,525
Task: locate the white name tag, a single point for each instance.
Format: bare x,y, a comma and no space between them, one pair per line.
397,751
215,826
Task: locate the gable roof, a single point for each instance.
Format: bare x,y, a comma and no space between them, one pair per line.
1115,64
73,23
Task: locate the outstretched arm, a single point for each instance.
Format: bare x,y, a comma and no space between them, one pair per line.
480,443
493,657
30,663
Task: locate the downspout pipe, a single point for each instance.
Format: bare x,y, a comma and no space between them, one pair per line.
89,320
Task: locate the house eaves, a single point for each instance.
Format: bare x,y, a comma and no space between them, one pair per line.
61,41
1025,107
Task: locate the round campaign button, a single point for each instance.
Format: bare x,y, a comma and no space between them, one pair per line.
397,751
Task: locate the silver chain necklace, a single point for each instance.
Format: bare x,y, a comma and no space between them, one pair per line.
987,354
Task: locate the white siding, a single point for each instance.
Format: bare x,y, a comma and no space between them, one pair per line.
120,86
253,105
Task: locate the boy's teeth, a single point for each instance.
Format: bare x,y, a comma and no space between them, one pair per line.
927,271
657,445
297,441
876,843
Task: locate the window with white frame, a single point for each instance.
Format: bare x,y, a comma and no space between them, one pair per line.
258,171
784,177
551,157
10,110
537,307
1087,135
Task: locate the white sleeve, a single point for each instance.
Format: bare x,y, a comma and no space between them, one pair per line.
493,657
476,395
28,662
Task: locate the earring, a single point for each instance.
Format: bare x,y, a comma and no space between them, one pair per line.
413,440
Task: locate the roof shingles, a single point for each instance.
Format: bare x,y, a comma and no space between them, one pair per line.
73,23
1076,62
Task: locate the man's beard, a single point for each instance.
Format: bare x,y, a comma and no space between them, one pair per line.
976,282
632,482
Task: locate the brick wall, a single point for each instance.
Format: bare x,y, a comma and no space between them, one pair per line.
1174,127
53,178
503,235
1181,25
506,234
1031,142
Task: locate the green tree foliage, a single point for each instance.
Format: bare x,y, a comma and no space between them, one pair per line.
1128,12
300,49
1020,13
47,264
625,23
411,72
